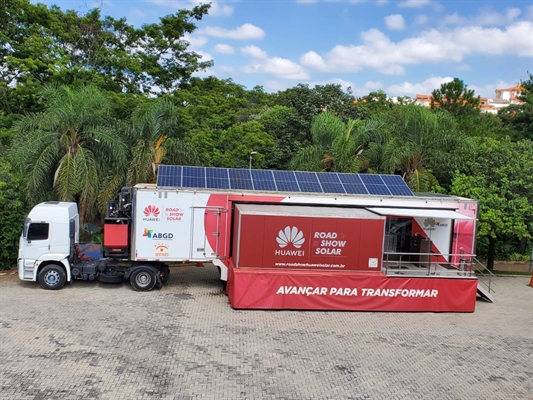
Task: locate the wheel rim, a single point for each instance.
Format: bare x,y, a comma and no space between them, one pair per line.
52,278
143,279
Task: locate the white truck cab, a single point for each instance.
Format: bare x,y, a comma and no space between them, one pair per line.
49,236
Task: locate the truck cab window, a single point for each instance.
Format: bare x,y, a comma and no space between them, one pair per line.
38,231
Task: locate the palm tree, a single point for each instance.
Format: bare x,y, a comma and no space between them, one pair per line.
64,151
336,146
156,139
417,137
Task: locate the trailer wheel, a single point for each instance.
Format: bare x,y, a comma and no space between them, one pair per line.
143,279
52,277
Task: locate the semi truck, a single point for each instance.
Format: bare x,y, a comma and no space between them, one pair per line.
254,221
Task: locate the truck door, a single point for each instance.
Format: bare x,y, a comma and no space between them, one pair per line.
37,243
205,226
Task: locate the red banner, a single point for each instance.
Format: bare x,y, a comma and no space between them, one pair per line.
313,290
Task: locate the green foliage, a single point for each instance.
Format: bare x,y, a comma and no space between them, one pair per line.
518,118
372,105
499,176
39,45
238,142
155,140
311,102
336,146
287,128
456,98
12,212
414,138
66,150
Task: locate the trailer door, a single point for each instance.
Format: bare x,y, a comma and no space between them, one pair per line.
206,222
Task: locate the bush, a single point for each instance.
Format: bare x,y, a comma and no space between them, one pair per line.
12,212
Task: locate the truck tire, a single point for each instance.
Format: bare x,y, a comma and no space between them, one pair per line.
52,277
143,279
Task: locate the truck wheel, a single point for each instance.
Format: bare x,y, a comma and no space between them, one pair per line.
52,277
142,279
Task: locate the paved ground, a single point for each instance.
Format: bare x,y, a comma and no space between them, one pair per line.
99,341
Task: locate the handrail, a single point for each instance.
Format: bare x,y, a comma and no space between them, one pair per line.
461,265
484,272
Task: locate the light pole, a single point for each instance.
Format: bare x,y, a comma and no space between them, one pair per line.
252,154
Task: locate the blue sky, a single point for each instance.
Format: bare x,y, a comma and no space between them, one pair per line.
404,47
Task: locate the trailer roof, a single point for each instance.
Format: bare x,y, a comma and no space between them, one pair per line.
281,181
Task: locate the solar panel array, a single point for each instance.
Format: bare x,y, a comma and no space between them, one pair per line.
280,181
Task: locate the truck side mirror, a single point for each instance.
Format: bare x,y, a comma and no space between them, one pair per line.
26,227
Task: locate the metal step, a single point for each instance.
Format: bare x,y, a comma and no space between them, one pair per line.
484,293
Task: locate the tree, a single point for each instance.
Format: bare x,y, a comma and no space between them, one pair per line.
12,211
416,137
371,105
336,146
156,140
499,176
288,130
309,102
40,45
456,98
518,118
235,145
66,150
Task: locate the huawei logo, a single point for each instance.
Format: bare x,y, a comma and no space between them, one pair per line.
290,235
151,211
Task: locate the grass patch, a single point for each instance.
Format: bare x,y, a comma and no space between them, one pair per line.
518,273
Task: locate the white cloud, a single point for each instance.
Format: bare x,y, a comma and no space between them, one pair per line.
464,67
485,18
244,32
378,52
414,3
395,21
279,67
196,42
253,51
216,8
205,56
276,86
412,89
421,19
224,48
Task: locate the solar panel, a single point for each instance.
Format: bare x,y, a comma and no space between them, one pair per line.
286,181
169,175
308,182
375,185
281,181
240,179
216,178
330,183
263,180
193,177
352,184
396,185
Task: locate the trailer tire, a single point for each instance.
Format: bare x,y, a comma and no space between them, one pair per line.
143,279
52,277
